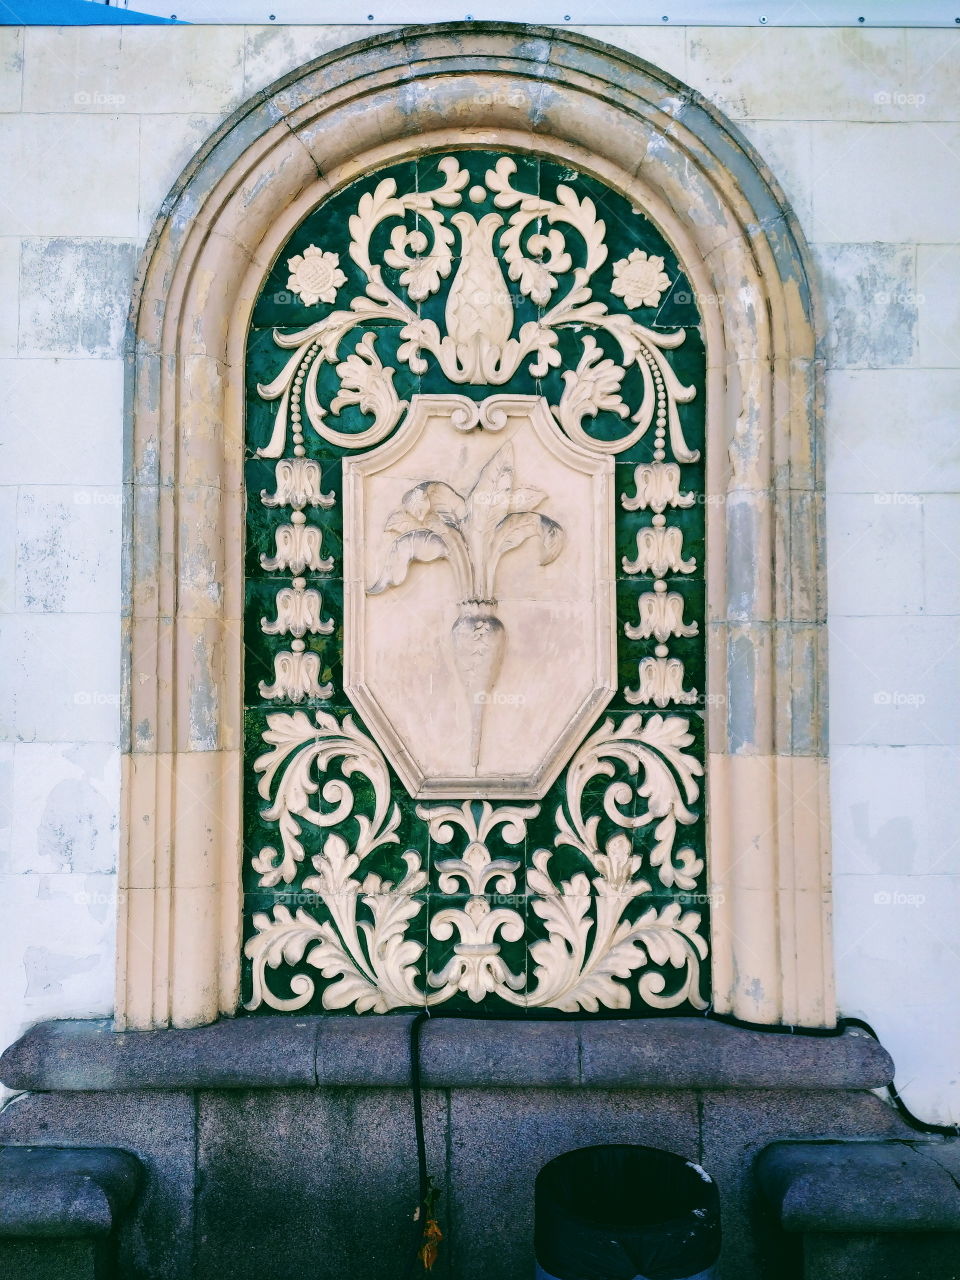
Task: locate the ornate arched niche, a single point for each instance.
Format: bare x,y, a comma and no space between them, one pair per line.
474,523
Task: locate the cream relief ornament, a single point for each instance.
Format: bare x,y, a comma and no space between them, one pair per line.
480,342
472,531
593,939
315,276
640,280
464,504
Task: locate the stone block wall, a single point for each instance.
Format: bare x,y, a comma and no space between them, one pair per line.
863,130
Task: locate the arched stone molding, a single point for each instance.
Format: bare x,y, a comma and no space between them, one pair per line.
635,128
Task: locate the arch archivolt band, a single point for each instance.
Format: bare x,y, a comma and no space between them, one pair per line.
644,134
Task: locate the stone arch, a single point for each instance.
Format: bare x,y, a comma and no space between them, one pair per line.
663,146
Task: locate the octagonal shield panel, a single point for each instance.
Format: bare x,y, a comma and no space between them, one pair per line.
479,593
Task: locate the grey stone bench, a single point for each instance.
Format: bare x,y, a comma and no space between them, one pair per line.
885,1210
58,1210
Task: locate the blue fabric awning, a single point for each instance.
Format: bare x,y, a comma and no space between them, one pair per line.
69,13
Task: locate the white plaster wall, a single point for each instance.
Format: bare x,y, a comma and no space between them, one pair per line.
862,129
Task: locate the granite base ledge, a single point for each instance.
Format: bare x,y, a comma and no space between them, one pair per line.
274,1052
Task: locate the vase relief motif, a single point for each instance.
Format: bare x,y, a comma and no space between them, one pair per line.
481,622
472,532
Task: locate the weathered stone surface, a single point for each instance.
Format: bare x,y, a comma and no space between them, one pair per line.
852,162
55,944
63,811
108,70
869,407
82,704
364,1051
74,296
64,1191
908,691
472,1053
330,1177
871,302
52,193
69,553
938,306
893,1256
667,1053
737,1124
886,581
271,52
803,74
10,286
500,1139
11,67
858,1186
156,1239
51,1259
82,447
321,1165
229,1054
681,1053
946,1153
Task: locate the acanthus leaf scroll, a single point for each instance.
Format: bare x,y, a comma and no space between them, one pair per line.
583,963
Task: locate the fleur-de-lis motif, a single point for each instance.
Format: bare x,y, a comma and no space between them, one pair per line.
661,682
298,611
661,616
476,965
658,487
295,676
297,549
298,485
476,869
659,551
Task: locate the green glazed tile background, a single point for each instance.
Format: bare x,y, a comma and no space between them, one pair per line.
278,308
